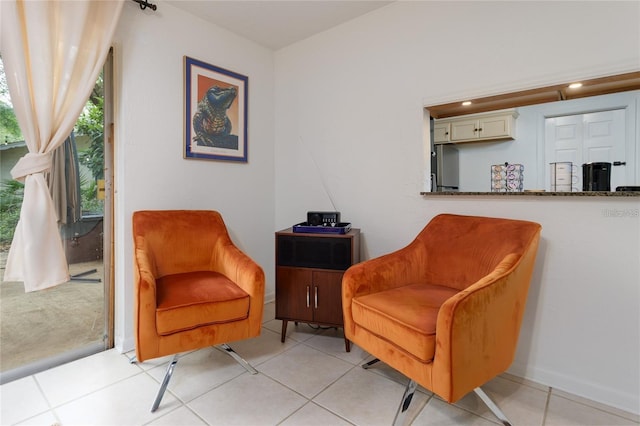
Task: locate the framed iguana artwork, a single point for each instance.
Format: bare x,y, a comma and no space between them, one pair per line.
215,109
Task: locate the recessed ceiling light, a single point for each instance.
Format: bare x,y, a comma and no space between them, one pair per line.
575,85
466,103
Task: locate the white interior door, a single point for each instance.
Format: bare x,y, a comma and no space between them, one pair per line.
586,138
604,141
563,142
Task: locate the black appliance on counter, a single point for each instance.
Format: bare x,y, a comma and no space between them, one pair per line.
596,177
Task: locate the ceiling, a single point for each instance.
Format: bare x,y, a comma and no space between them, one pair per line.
277,23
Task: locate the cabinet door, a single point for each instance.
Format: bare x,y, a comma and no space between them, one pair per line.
294,290
495,127
441,132
327,297
464,130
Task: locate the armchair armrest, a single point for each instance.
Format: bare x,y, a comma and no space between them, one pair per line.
144,275
239,268
144,315
382,273
396,269
244,271
477,329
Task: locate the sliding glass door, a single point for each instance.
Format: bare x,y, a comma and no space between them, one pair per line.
45,328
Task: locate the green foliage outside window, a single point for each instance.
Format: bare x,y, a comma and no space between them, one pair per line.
91,124
9,128
11,192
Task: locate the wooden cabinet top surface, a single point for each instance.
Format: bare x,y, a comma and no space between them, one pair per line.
289,231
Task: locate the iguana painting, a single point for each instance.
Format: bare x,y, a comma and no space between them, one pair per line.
210,122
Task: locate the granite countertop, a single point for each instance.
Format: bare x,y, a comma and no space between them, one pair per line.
539,194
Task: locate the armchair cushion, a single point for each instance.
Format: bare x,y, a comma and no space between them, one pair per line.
404,316
191,299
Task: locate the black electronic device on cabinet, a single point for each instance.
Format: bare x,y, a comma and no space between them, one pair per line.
323,218
322,223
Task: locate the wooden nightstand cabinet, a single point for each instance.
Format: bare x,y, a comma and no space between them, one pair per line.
309,269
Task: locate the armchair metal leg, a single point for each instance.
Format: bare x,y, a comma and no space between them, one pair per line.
370,363
165,383
404,404
411,388
227,349
492,406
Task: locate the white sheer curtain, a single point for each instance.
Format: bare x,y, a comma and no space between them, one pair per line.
52,52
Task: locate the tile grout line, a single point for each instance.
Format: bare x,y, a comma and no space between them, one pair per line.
50,410
596,406
354,366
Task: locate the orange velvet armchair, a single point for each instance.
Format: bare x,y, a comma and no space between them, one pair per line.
445,310
193,287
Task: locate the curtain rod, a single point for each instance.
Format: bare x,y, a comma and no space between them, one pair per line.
144,4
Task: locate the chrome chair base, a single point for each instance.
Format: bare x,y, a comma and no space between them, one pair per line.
492,406
167,377
398,420
411,388
370,363
165,383
227,349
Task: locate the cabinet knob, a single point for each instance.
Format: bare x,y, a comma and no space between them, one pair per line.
308,297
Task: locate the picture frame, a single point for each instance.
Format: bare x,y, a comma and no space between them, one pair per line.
215,112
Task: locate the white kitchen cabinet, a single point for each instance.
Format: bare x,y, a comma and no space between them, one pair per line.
441,132
476,127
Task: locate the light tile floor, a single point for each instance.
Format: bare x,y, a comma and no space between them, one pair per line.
308,380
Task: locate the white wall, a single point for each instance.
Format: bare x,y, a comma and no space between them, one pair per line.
349,136
151,172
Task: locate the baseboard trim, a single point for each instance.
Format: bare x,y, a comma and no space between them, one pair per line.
592,391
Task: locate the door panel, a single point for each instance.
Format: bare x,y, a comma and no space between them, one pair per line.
328,297
464,129
563,142
494,127
585,138
294,294
604,141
